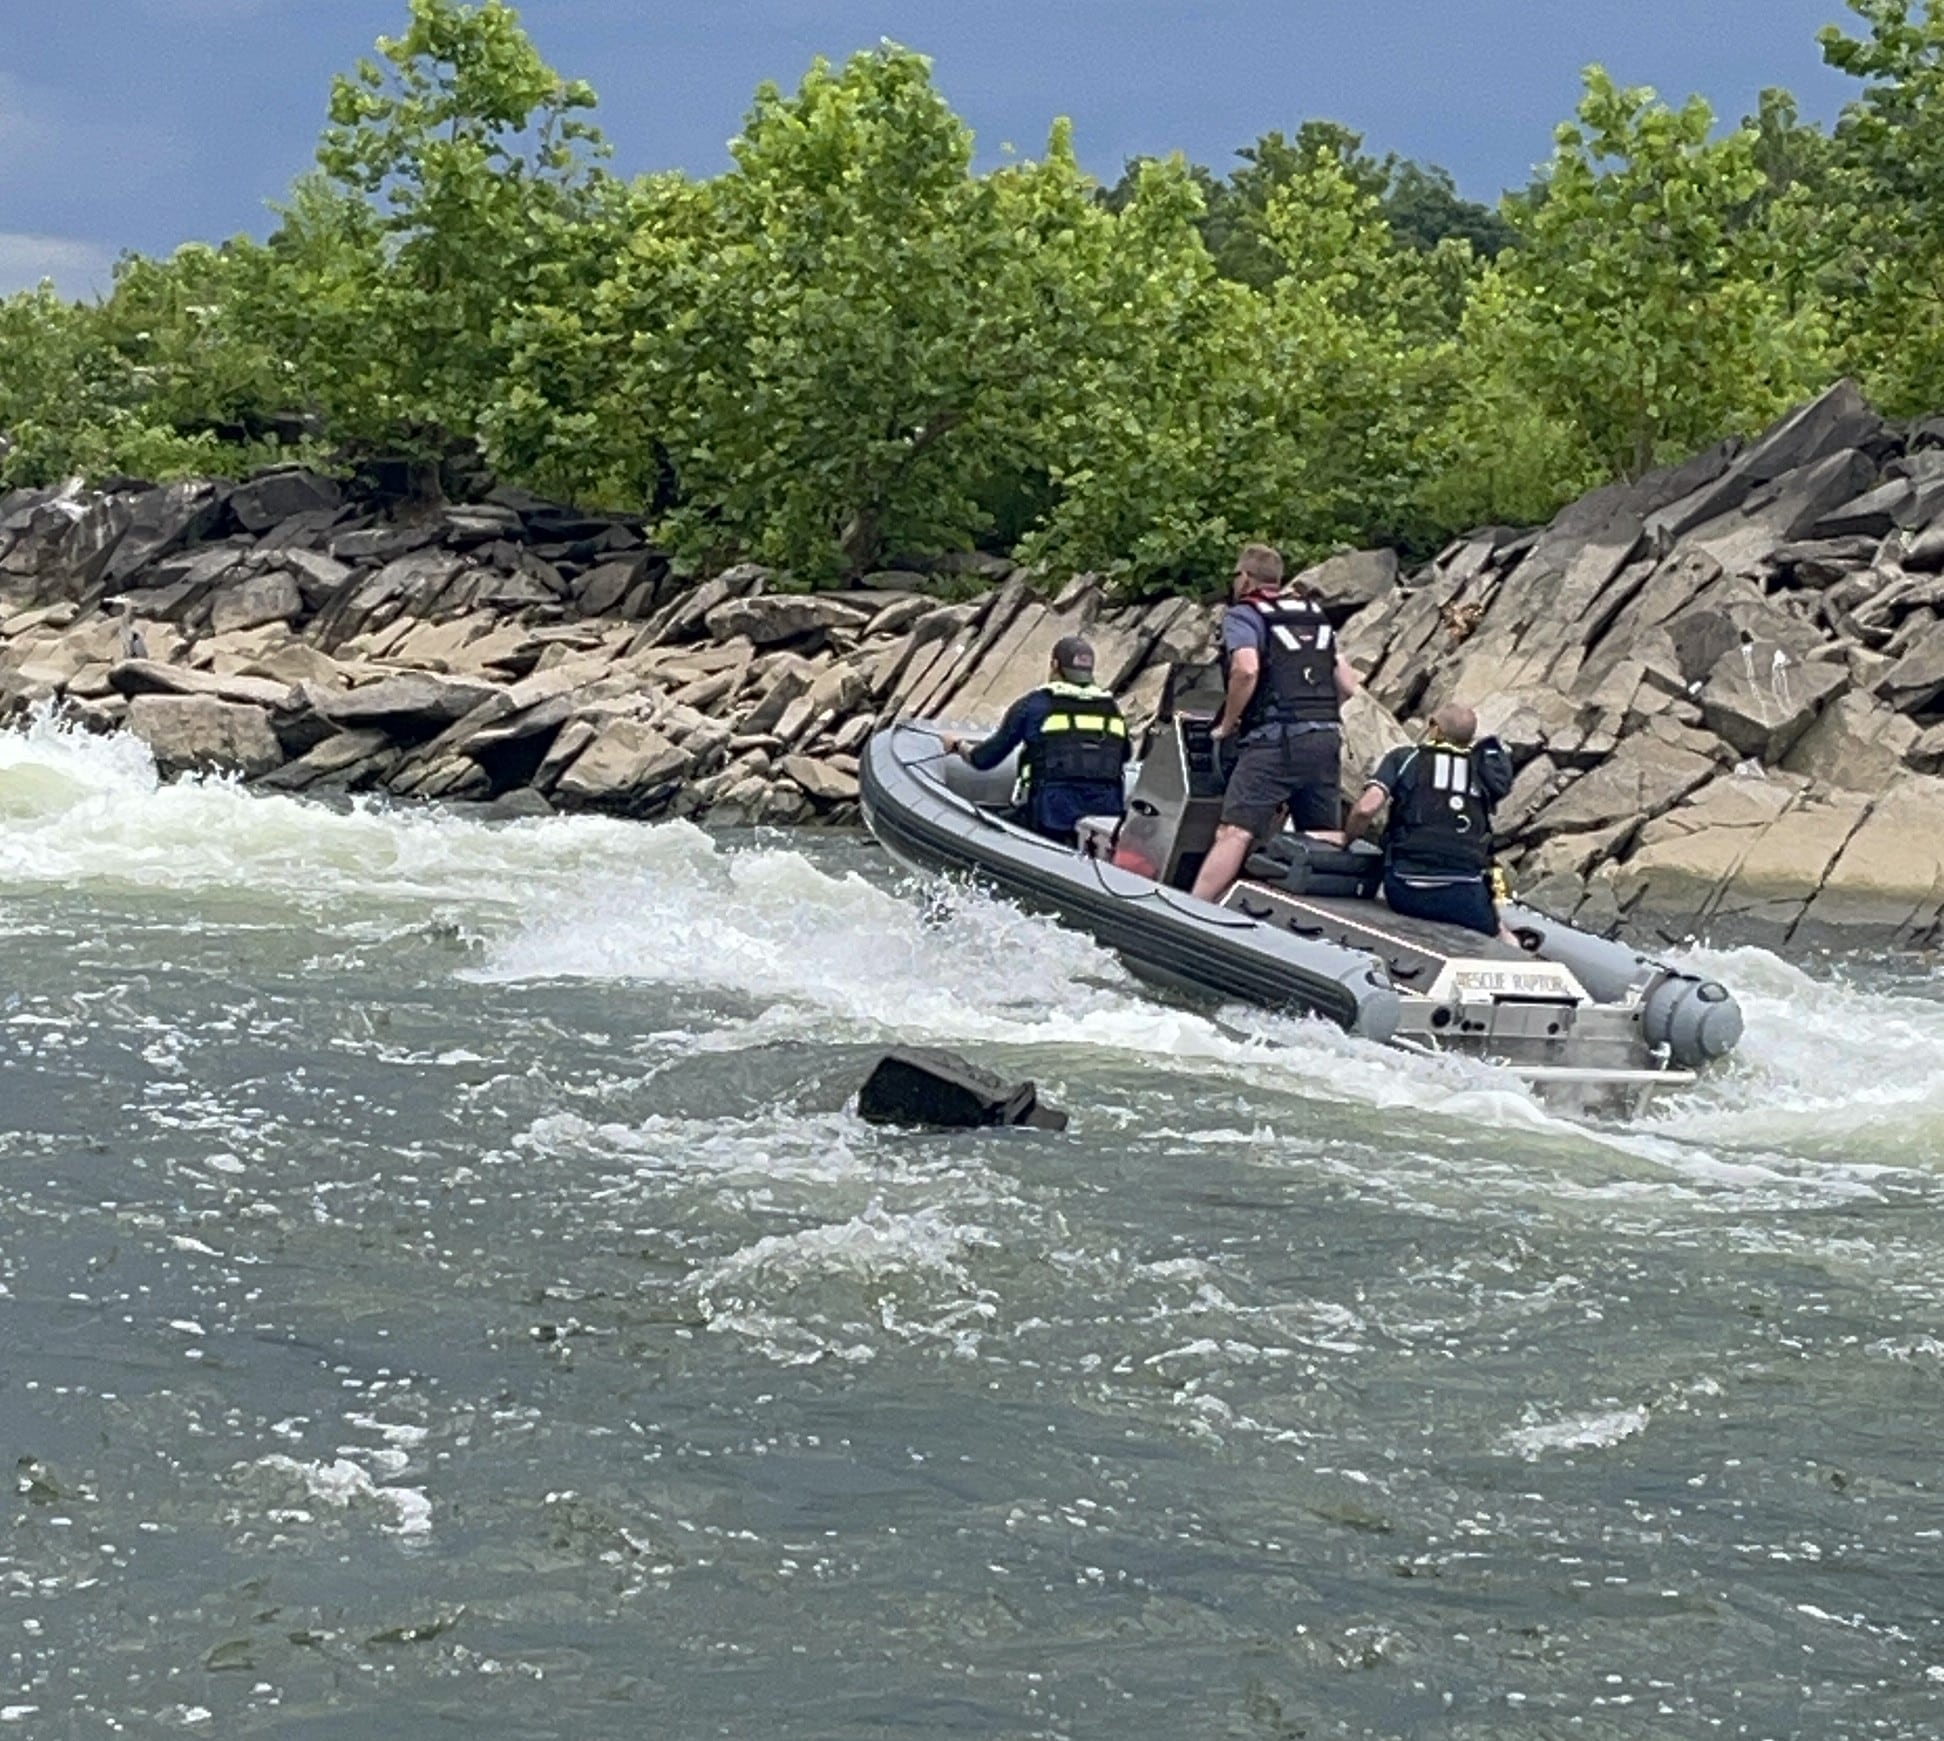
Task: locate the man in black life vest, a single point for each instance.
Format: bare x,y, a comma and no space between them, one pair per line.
1286,685
1438,840
1074,742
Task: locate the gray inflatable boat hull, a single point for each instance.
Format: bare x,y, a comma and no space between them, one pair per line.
1592,1023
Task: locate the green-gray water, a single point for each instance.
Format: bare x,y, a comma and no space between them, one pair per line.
440,1289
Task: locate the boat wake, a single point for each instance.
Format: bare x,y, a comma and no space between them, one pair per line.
818,939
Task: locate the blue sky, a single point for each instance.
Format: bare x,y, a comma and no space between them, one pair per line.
145,123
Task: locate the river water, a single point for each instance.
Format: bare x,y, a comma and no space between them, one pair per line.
441,1290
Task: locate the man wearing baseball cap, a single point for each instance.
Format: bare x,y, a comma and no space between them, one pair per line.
1073,741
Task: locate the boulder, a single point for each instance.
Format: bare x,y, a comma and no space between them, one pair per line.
627,763
412,701
898,616
1017,660
161,521
346,761
1779,512
522,804
939,1089
784,682
199,734
470,523
318,576
1535,786
1838,420
601,589
381,544
150,677
1782,869
1761,701
268,598
538,719
1573,856
92,540
177,585
772,619
1915,684
929,684
1889,878
1370,730
36,529
1926,755
1856,744
1640,780
415,584
450,776
841,689
1683,859
1346,583
278,495
1822,562
682,619
820,779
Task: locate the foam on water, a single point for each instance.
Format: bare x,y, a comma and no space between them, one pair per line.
343,1486
1826,1066
1828,1073
79,811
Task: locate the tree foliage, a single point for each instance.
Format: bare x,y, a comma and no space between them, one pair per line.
1639,315
1884,212
855,346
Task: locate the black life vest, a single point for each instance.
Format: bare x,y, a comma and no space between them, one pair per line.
1297,685
1083,741
1441,813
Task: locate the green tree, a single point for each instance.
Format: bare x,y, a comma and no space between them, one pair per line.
153,382
1419,202
1365,337
841,342
452,173
1884,224
1636,310
1156,446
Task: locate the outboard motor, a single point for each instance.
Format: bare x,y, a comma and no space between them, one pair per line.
1695,1019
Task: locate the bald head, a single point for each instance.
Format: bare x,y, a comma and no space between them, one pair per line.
1456,723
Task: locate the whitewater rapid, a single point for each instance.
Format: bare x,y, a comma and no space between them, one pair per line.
1838,1069
442,1280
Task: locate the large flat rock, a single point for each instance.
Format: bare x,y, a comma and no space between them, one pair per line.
411,700
1640,780
625,762
200,734
1888,882
1683,860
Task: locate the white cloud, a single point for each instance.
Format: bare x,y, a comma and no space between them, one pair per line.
79,269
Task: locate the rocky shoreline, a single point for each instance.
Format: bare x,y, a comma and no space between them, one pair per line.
1724,684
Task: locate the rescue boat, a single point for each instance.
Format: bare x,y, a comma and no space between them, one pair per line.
1591,1024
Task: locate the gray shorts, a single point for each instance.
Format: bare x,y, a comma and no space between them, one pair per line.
1298,768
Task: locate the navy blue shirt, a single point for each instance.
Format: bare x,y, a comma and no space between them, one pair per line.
1052,806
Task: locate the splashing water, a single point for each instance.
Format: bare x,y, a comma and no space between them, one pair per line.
443,1282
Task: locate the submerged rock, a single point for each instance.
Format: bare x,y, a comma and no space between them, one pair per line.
939,1089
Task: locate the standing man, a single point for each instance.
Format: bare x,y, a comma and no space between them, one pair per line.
1438,840
1075,746
1286,685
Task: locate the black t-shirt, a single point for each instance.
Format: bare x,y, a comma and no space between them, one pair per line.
1392,773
